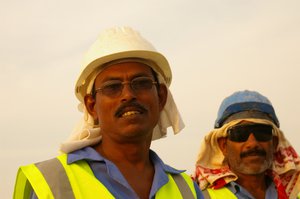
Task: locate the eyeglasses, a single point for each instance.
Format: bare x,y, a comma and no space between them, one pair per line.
114,88
240,133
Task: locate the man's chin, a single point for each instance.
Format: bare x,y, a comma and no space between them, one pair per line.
254,168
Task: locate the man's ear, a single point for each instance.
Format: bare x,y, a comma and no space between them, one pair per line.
222,145
90,102
162,95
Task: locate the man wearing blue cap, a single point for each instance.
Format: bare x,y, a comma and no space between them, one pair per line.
247,155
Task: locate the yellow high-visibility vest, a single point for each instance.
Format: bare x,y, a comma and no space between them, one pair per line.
221,193
218,193
56,179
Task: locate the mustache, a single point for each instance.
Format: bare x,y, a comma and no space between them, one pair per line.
250,152
131,104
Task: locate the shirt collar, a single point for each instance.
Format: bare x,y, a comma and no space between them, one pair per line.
90,154
87,153
236,188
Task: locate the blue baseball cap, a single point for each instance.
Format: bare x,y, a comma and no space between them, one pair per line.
242,101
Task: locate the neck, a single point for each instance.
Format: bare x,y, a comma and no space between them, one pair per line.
254,184
130,152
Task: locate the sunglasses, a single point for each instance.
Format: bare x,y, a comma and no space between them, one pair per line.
241,133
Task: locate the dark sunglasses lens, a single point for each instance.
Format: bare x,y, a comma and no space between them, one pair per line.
238,134
241,133
263,133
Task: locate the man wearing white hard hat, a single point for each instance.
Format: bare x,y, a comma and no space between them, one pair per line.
125,100
247,156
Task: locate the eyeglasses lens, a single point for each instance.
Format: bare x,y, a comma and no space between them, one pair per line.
240,133
112,88
141,83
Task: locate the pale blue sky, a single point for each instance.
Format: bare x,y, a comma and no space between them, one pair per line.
214,47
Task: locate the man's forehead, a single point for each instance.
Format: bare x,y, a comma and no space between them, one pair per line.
126,66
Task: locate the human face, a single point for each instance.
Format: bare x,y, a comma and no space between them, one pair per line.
250,157
130,115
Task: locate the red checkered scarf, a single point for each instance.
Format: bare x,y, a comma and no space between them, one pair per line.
211,170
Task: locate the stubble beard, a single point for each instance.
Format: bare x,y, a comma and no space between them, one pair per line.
250,169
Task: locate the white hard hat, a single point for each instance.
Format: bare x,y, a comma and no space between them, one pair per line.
118,43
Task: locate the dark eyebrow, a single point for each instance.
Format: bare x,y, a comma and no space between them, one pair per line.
109,78
141,74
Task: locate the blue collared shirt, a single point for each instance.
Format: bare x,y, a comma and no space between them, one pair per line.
242,193
111,177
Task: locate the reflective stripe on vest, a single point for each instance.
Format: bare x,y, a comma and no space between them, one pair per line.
218,193
183,186
59,184
56,179
173,190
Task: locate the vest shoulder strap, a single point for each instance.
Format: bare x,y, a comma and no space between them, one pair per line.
183,186
59,184
205,194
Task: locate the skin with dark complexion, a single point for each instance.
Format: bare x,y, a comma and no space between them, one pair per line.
127,122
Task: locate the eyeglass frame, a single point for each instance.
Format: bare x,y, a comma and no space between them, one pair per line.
155,76
123,83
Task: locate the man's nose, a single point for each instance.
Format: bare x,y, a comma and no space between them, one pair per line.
128,91
251,139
